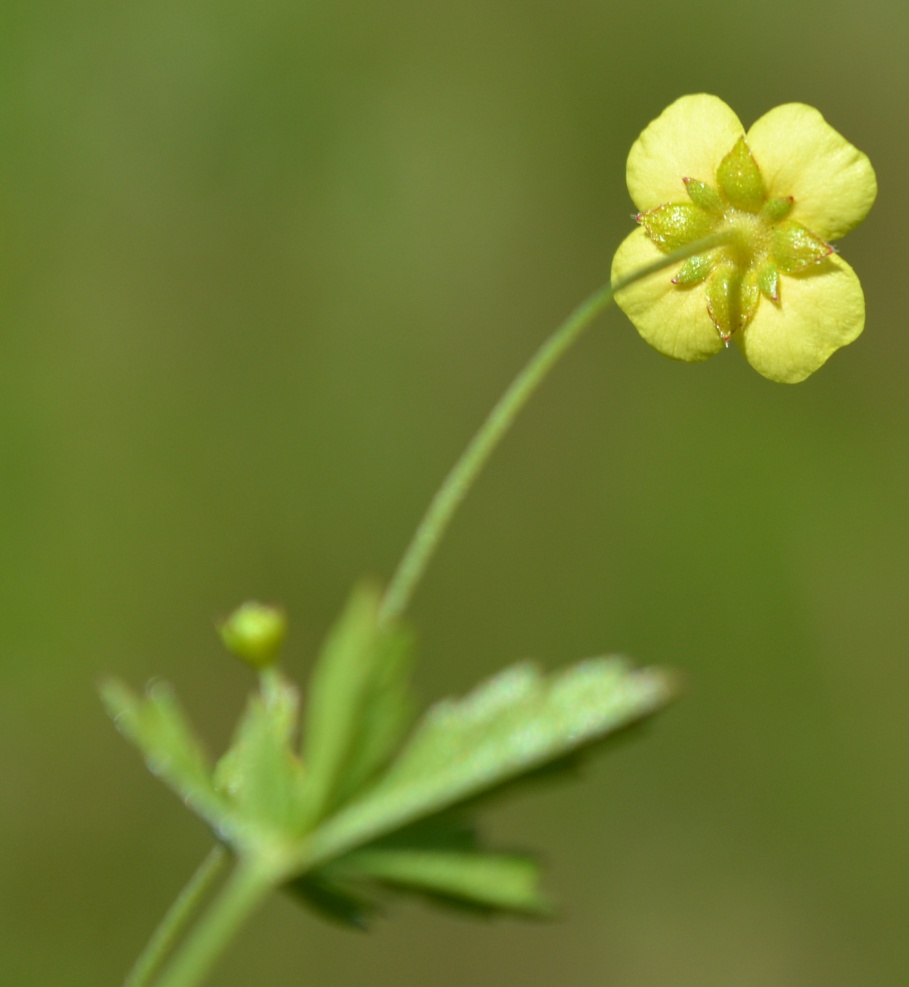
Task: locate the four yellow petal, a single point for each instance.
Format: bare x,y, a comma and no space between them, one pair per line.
821,308
689,139
801,155
672,318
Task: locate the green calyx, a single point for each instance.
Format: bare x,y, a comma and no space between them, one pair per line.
768,281
704,196
694,270
795,247
762,243
674,226
777,209
740,179
732,298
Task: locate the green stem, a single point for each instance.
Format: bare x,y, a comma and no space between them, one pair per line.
456,484
175,920
245,890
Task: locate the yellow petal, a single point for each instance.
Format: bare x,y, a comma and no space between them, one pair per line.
672,318
820,310
688,139
801,155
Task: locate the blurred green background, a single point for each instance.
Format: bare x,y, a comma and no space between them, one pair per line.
264,268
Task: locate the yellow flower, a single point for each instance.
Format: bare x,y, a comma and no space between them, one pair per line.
780,194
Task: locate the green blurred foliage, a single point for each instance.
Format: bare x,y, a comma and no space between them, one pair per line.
264,268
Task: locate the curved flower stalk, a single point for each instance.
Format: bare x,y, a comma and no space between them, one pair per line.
780,193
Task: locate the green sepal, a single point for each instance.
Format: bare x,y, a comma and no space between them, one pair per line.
778,208
694,270
359,705
704,196
732,298
676,225
740,180
768,280
795,247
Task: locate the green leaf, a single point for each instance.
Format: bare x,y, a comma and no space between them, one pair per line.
260,774
511,727
359,705
479,881
343,901
157,726
440,859
388,712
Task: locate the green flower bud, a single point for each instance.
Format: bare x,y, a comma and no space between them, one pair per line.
255,632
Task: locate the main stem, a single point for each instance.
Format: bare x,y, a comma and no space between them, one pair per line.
165,936
244,892
459,480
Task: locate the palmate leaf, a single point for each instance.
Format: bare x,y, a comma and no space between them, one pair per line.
363,810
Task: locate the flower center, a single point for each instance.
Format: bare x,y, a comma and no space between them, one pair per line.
750,237
763,242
